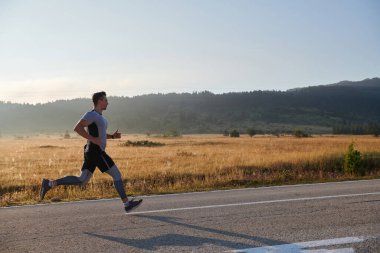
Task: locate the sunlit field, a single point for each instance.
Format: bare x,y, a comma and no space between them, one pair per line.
186,163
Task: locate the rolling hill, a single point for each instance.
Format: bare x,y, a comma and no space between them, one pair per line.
316,109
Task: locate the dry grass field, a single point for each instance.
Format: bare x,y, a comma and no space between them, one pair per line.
186,163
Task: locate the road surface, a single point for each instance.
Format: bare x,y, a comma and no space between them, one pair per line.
330,217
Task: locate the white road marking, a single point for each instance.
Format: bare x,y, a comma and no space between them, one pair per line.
329,242
254,203
300,246
342,250
261,188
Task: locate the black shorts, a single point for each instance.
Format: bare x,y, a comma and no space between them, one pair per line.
97,158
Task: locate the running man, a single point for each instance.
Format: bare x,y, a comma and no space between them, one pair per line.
94,153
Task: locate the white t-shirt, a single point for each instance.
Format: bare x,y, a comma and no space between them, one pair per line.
97,127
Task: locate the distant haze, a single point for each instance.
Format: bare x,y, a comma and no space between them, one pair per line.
53,50
346,106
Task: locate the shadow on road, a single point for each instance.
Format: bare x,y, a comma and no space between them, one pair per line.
170,240
188,240
365,201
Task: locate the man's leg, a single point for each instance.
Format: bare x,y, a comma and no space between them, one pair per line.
105,163
118,183
84,177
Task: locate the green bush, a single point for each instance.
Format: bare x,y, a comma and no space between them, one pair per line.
251,132
172,133
142,144
353,161
235,133
300,134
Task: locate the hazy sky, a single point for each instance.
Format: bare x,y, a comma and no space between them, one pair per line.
71,48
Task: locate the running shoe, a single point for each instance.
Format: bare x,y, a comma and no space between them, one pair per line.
133,204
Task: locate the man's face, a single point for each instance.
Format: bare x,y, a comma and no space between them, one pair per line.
103,102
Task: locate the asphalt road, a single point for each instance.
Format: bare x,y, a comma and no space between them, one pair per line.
330,217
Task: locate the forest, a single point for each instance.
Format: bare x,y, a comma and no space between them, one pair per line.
342,108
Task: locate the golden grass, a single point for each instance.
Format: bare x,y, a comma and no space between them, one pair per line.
187,163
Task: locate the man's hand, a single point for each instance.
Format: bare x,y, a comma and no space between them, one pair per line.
116,134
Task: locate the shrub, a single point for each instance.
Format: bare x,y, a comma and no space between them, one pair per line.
226,133
172,133
251,132
353,162
235,133
66,135
300,134
142,144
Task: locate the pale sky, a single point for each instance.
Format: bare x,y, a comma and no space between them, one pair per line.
67,49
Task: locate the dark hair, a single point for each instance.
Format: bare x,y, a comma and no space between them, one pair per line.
96,96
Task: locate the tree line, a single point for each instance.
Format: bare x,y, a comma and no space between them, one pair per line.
318,108
371,128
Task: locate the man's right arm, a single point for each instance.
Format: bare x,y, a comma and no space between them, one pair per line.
80,129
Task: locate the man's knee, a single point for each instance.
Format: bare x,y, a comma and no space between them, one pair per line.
114,173
84,177
84,182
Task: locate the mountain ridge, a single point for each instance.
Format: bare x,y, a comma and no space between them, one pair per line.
316,109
